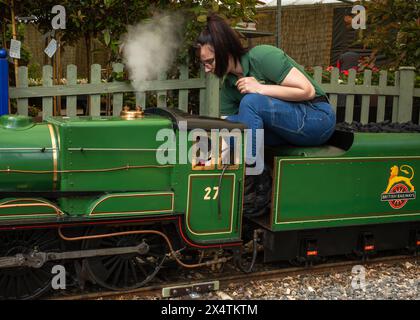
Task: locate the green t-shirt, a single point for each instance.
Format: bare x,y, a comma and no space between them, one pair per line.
267,64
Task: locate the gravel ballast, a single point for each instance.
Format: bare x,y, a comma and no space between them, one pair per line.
397,282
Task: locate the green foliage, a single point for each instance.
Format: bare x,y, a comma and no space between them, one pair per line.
107,20
393,29
196,12
25,54
34,71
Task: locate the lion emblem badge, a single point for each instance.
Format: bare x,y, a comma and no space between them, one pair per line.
400,188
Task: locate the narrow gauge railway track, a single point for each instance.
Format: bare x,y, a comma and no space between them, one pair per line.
155,290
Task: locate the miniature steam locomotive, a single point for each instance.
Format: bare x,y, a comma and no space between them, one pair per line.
90,191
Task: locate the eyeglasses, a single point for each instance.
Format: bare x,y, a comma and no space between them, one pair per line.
208,63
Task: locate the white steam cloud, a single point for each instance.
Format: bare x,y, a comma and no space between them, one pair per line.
150,48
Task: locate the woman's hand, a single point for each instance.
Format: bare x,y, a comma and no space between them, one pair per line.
248,85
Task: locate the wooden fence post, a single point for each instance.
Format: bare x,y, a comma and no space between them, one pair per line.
364,113
22,104
212,96
318,74
95,99
47,81
395,104
183,94
380,113
349,108
405,103
202,107
117,98
141,99
71,101
333,97
161,95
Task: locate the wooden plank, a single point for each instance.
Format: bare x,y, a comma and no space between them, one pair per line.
47,81
111,87
349,112
380,114
22,104
95,99
367,80
372,90
405,110
395,101
183,94
334,82
71,101
117,98
202,107
161,95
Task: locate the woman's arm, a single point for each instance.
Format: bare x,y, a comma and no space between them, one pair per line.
294,87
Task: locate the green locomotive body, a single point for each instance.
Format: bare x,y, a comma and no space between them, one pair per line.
106,168
329,186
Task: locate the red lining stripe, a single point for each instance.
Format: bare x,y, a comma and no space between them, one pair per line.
184,238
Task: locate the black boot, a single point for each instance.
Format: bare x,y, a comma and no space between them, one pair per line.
257,194
249,194
263,190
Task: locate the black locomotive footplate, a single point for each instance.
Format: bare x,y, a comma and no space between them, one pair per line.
183,290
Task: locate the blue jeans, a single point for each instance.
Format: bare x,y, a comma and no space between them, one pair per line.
285,122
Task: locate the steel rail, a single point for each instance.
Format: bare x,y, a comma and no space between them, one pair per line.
225,281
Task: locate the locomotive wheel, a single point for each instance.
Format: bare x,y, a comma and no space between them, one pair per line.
25,283
125,271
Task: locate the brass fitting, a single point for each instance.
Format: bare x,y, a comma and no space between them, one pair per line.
128,114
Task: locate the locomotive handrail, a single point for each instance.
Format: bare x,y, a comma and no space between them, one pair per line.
127,167
118,149
42,149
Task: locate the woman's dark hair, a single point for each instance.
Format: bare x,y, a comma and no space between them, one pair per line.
225,42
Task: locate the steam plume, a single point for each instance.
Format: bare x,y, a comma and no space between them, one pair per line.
150,48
